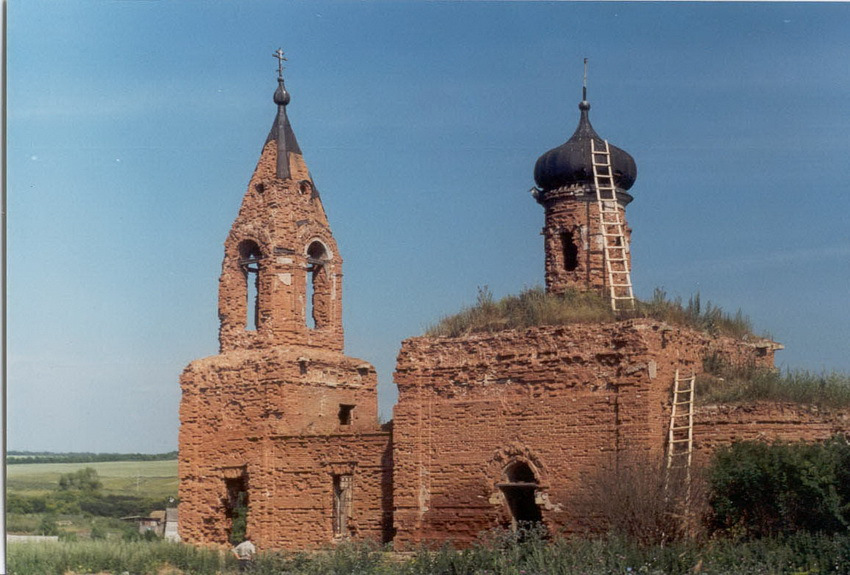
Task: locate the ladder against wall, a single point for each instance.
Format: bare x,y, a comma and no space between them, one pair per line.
680,441
613,233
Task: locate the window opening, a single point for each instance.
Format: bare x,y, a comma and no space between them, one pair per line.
342,504
345,414
249,259
236,508
570,250
310,316
317,292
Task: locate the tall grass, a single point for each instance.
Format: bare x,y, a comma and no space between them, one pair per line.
725,384
496,553
534,307
705,317
111,557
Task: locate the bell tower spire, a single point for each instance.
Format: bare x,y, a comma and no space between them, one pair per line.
281,280
281,98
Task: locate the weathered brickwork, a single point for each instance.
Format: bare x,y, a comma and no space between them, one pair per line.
283,224
718,425
489,429
282,423
573,240
560,399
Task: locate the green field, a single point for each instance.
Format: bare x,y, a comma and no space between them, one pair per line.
156,479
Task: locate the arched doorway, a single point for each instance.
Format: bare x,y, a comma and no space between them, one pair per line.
519,488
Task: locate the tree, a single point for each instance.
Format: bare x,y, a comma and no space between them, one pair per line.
84,480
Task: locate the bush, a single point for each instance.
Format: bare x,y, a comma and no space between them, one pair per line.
760,489
636,498
48,526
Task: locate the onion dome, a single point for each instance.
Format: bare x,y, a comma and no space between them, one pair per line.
571,162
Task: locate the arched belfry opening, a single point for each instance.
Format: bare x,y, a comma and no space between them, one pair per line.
250,257
519,487
318,296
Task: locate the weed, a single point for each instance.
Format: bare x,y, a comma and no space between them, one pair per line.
534,307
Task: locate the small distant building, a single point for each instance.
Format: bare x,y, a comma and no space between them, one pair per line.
163,523
170,531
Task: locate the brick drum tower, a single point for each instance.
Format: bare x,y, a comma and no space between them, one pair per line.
583,185
281,427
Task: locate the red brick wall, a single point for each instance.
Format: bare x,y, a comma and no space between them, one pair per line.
261,415
562,399
265,413
720,425
575,210
284,218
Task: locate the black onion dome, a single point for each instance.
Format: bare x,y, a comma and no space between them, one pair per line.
571,162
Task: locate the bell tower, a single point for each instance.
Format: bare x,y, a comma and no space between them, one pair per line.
281,279
279,432
583,187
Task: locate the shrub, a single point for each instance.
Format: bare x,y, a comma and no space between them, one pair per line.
760,489
48,526
638,499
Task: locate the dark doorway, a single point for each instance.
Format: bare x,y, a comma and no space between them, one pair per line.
519,491
236,508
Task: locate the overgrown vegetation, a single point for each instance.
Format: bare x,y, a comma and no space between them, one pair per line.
633,497
760,489
705,317
724,384
535,307
774,509
496,553
532,307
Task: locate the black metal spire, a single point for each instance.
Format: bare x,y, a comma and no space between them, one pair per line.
572,162
584,83
584,105
281,130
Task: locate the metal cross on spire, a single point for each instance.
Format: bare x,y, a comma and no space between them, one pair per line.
280,60
584,83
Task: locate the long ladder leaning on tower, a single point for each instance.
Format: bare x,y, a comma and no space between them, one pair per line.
680,441
613,233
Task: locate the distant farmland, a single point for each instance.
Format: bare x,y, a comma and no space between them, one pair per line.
143,478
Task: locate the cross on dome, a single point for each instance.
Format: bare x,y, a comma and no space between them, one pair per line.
280,60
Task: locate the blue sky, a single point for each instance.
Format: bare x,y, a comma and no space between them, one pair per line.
134,126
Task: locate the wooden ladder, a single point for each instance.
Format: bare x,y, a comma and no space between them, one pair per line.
680,442
613,234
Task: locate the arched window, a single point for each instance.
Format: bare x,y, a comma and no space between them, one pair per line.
317,314
250,257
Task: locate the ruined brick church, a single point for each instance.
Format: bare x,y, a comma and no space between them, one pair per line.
489,429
